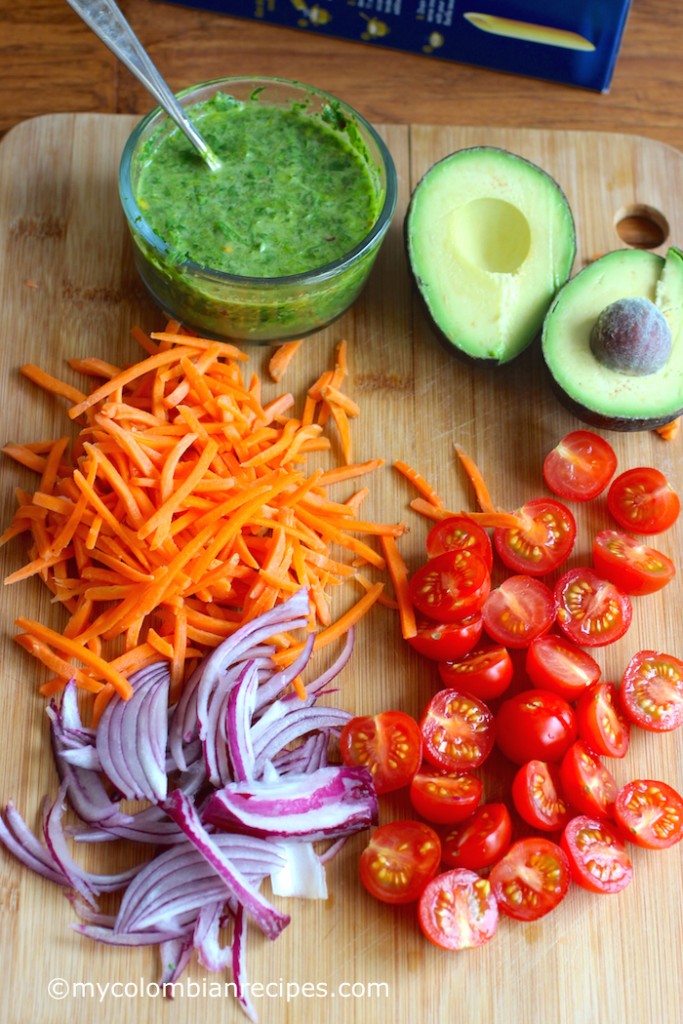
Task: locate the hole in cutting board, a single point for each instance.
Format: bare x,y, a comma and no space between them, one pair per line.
641,226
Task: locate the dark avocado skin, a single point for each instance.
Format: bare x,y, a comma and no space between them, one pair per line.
622,424
447,343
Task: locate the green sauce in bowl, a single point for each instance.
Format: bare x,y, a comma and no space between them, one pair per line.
279,241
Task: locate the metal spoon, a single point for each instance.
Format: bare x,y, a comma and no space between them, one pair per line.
108,23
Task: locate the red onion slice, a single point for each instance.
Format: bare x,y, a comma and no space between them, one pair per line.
330,802
211,954
132,734
270,920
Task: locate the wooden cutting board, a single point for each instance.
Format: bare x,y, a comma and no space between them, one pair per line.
68,288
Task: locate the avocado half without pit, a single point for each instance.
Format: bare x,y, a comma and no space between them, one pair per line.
613,340
490,239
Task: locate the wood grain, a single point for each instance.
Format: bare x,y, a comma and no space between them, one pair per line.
68,288
52,63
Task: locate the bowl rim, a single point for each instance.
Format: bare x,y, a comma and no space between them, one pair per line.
136,218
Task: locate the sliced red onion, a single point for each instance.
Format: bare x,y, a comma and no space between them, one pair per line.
241,703
180,879
322,805
270,920
270,690
307,757
112,938
87,914
37,860
303,874
290,614
56,844
85,789
175,955
292,728
239,964
131,737
82,757
211,954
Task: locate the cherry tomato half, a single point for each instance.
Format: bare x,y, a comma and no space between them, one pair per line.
520,609
588,785
400,859
485,672
444,797
457,910
580,466
457,533
597,855
650,813
600,722
543,543
643,500
591,611
446,640
457,731
553,663
388,744
535,725
531,879
632,566
537,796
652,691
480,841
450,586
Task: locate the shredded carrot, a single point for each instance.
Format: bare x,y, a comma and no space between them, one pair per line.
481,491
183,508
670,431
281,359
418,481
399,577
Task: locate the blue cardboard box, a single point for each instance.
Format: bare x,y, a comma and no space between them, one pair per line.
575,42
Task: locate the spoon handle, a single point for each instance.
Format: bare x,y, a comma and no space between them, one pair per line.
108,23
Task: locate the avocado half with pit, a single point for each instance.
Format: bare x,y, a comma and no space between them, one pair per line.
490,239
629,377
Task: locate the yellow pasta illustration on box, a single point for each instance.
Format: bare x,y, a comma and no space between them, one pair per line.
529,31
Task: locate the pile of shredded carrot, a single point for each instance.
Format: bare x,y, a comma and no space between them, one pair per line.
183,508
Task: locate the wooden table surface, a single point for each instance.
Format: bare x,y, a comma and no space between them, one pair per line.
51,62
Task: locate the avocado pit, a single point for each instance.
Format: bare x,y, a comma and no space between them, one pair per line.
631,336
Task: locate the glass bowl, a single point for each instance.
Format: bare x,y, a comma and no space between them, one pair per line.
252,308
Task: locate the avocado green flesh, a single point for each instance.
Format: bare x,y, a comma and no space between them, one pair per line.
566,337
490,240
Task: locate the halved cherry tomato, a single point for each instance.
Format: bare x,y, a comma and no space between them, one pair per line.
520,609
544,542
399,861
485,672
480,841
457,731
591,611
446,640
444,797
588,785
535,725
580,466
643,500
597,855
457,910
538,798
553,663
450,586
388,744
457,533
652,691
600,722
650,813
531,879
632,566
